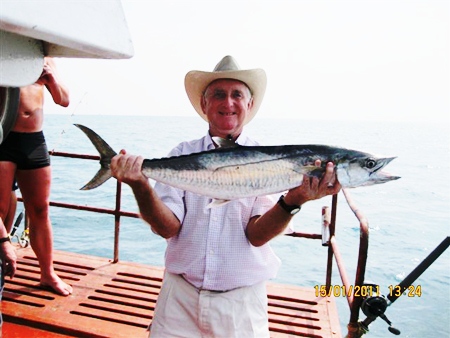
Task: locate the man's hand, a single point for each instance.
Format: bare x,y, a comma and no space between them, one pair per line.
127,168
49,78
9,259
313,188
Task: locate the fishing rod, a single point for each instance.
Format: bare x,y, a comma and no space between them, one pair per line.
374,307
24,238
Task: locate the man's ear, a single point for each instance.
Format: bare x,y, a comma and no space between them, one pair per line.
250,103
203,103
203,106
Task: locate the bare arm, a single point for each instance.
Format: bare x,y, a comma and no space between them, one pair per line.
127,168
262,229
51,80
7,253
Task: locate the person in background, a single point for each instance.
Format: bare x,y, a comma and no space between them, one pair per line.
24,156
217,259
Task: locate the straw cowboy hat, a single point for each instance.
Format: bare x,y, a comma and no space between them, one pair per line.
196,82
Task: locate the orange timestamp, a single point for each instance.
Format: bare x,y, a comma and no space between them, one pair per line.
410,291
365,291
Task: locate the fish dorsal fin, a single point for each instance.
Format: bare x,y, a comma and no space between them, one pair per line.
224,143
217,203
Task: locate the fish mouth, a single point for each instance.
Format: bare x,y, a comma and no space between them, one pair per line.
382,177
379,176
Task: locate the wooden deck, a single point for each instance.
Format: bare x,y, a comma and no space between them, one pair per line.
117,300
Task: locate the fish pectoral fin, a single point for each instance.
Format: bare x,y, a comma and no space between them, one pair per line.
310,170
217,203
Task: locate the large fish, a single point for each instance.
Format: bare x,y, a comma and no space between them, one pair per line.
233,171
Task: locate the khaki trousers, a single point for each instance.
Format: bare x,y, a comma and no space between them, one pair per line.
182,310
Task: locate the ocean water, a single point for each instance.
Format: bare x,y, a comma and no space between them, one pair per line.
408,218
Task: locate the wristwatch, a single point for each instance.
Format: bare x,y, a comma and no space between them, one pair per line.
291,209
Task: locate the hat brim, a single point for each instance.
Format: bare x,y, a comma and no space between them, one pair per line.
196,82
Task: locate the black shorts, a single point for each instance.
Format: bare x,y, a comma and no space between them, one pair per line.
26,150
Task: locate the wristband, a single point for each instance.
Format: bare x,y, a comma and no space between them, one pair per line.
290,209
5,239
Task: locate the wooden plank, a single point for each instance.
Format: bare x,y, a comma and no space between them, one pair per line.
11,330
118,299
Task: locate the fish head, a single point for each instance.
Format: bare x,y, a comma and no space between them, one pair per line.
364,170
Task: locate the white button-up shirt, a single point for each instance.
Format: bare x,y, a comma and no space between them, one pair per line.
211,251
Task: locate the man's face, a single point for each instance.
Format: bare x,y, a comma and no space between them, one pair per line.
226,103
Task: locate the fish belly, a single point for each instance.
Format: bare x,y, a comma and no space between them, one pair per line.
233,181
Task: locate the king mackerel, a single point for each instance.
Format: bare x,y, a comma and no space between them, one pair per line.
232,171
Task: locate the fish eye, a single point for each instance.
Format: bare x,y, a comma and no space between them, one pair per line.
370,163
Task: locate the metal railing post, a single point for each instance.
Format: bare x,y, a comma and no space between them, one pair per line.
355,305
117,221
332,228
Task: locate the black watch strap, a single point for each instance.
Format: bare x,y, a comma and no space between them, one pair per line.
290,209
5,239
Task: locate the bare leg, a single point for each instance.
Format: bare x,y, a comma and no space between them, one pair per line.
35,187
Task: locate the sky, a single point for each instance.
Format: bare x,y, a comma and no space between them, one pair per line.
340,60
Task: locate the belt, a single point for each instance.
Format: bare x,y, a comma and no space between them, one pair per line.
203,289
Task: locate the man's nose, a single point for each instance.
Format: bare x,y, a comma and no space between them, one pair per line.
229,101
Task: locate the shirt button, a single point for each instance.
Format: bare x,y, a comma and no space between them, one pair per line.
211,252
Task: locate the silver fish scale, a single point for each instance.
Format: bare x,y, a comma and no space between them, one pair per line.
228,183
260,174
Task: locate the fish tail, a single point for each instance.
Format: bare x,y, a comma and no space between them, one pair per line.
106,154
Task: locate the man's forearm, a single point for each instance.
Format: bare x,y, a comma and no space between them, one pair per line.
155,212
262,229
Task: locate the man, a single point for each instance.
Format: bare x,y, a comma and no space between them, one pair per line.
217,259
24,155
